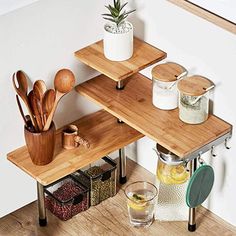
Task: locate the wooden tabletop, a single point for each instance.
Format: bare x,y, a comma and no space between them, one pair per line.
102,131
144,56
134,106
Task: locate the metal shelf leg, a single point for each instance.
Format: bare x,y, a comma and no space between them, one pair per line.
41,205
192,211
122,160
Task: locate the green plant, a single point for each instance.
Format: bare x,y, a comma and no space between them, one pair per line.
116,15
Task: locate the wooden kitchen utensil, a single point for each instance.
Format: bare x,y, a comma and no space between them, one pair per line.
64,81
35,107
20,109
22,92
39,89
48,102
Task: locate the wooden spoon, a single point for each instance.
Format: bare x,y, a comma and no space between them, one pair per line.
21,110
22,90
48,101
39,89
35,106
64,82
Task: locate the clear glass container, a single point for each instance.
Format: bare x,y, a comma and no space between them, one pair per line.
141,201
164,85
66,197
171,203
193,109
172,178
194,99
170,168
164,95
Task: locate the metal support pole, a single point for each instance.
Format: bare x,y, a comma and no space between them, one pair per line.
120,85
192,211
122,160
41,205
122,156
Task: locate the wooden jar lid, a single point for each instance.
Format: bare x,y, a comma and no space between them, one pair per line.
194,86
167,72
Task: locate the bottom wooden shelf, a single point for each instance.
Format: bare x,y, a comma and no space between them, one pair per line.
102,131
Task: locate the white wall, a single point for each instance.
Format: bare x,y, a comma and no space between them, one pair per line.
11,5
42,37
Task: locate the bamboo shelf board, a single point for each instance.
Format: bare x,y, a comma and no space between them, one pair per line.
144,55
102,131
134,106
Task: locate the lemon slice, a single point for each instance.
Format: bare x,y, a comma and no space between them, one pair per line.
179,174
137,202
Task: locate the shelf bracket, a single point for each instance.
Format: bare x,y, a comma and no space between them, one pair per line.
222,139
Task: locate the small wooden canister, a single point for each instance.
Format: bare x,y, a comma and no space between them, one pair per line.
71,139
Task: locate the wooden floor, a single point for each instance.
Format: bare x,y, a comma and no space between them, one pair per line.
109,218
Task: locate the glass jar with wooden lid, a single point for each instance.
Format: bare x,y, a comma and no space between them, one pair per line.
164,81
194,99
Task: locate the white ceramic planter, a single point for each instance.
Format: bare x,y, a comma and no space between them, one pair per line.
118,46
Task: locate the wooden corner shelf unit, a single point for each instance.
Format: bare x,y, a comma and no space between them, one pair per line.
128,99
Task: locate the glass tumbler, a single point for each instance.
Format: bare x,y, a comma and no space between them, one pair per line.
141,202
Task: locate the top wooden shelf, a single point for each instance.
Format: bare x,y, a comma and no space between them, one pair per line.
134,106
102,131
144,56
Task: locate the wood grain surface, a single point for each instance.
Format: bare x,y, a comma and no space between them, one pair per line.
134,106
102,131
144,56
207,15
110,218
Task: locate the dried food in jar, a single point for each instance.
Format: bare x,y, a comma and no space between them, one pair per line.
62,203
192,109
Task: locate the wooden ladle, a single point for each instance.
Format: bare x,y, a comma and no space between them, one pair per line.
22,91
64,82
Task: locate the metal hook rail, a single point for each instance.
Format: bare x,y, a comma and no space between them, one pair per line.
210,146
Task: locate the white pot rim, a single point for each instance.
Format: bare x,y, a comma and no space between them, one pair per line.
109,24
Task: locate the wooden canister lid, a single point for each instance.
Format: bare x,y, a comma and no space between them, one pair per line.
167,72
195,85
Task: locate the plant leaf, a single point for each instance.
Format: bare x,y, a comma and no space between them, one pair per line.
118,5
110,19
107,15
123,6
128,12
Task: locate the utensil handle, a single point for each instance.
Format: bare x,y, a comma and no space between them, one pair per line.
179,77
50,116
21,110
25,100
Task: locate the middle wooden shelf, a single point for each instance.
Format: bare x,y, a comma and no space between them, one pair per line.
133,105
